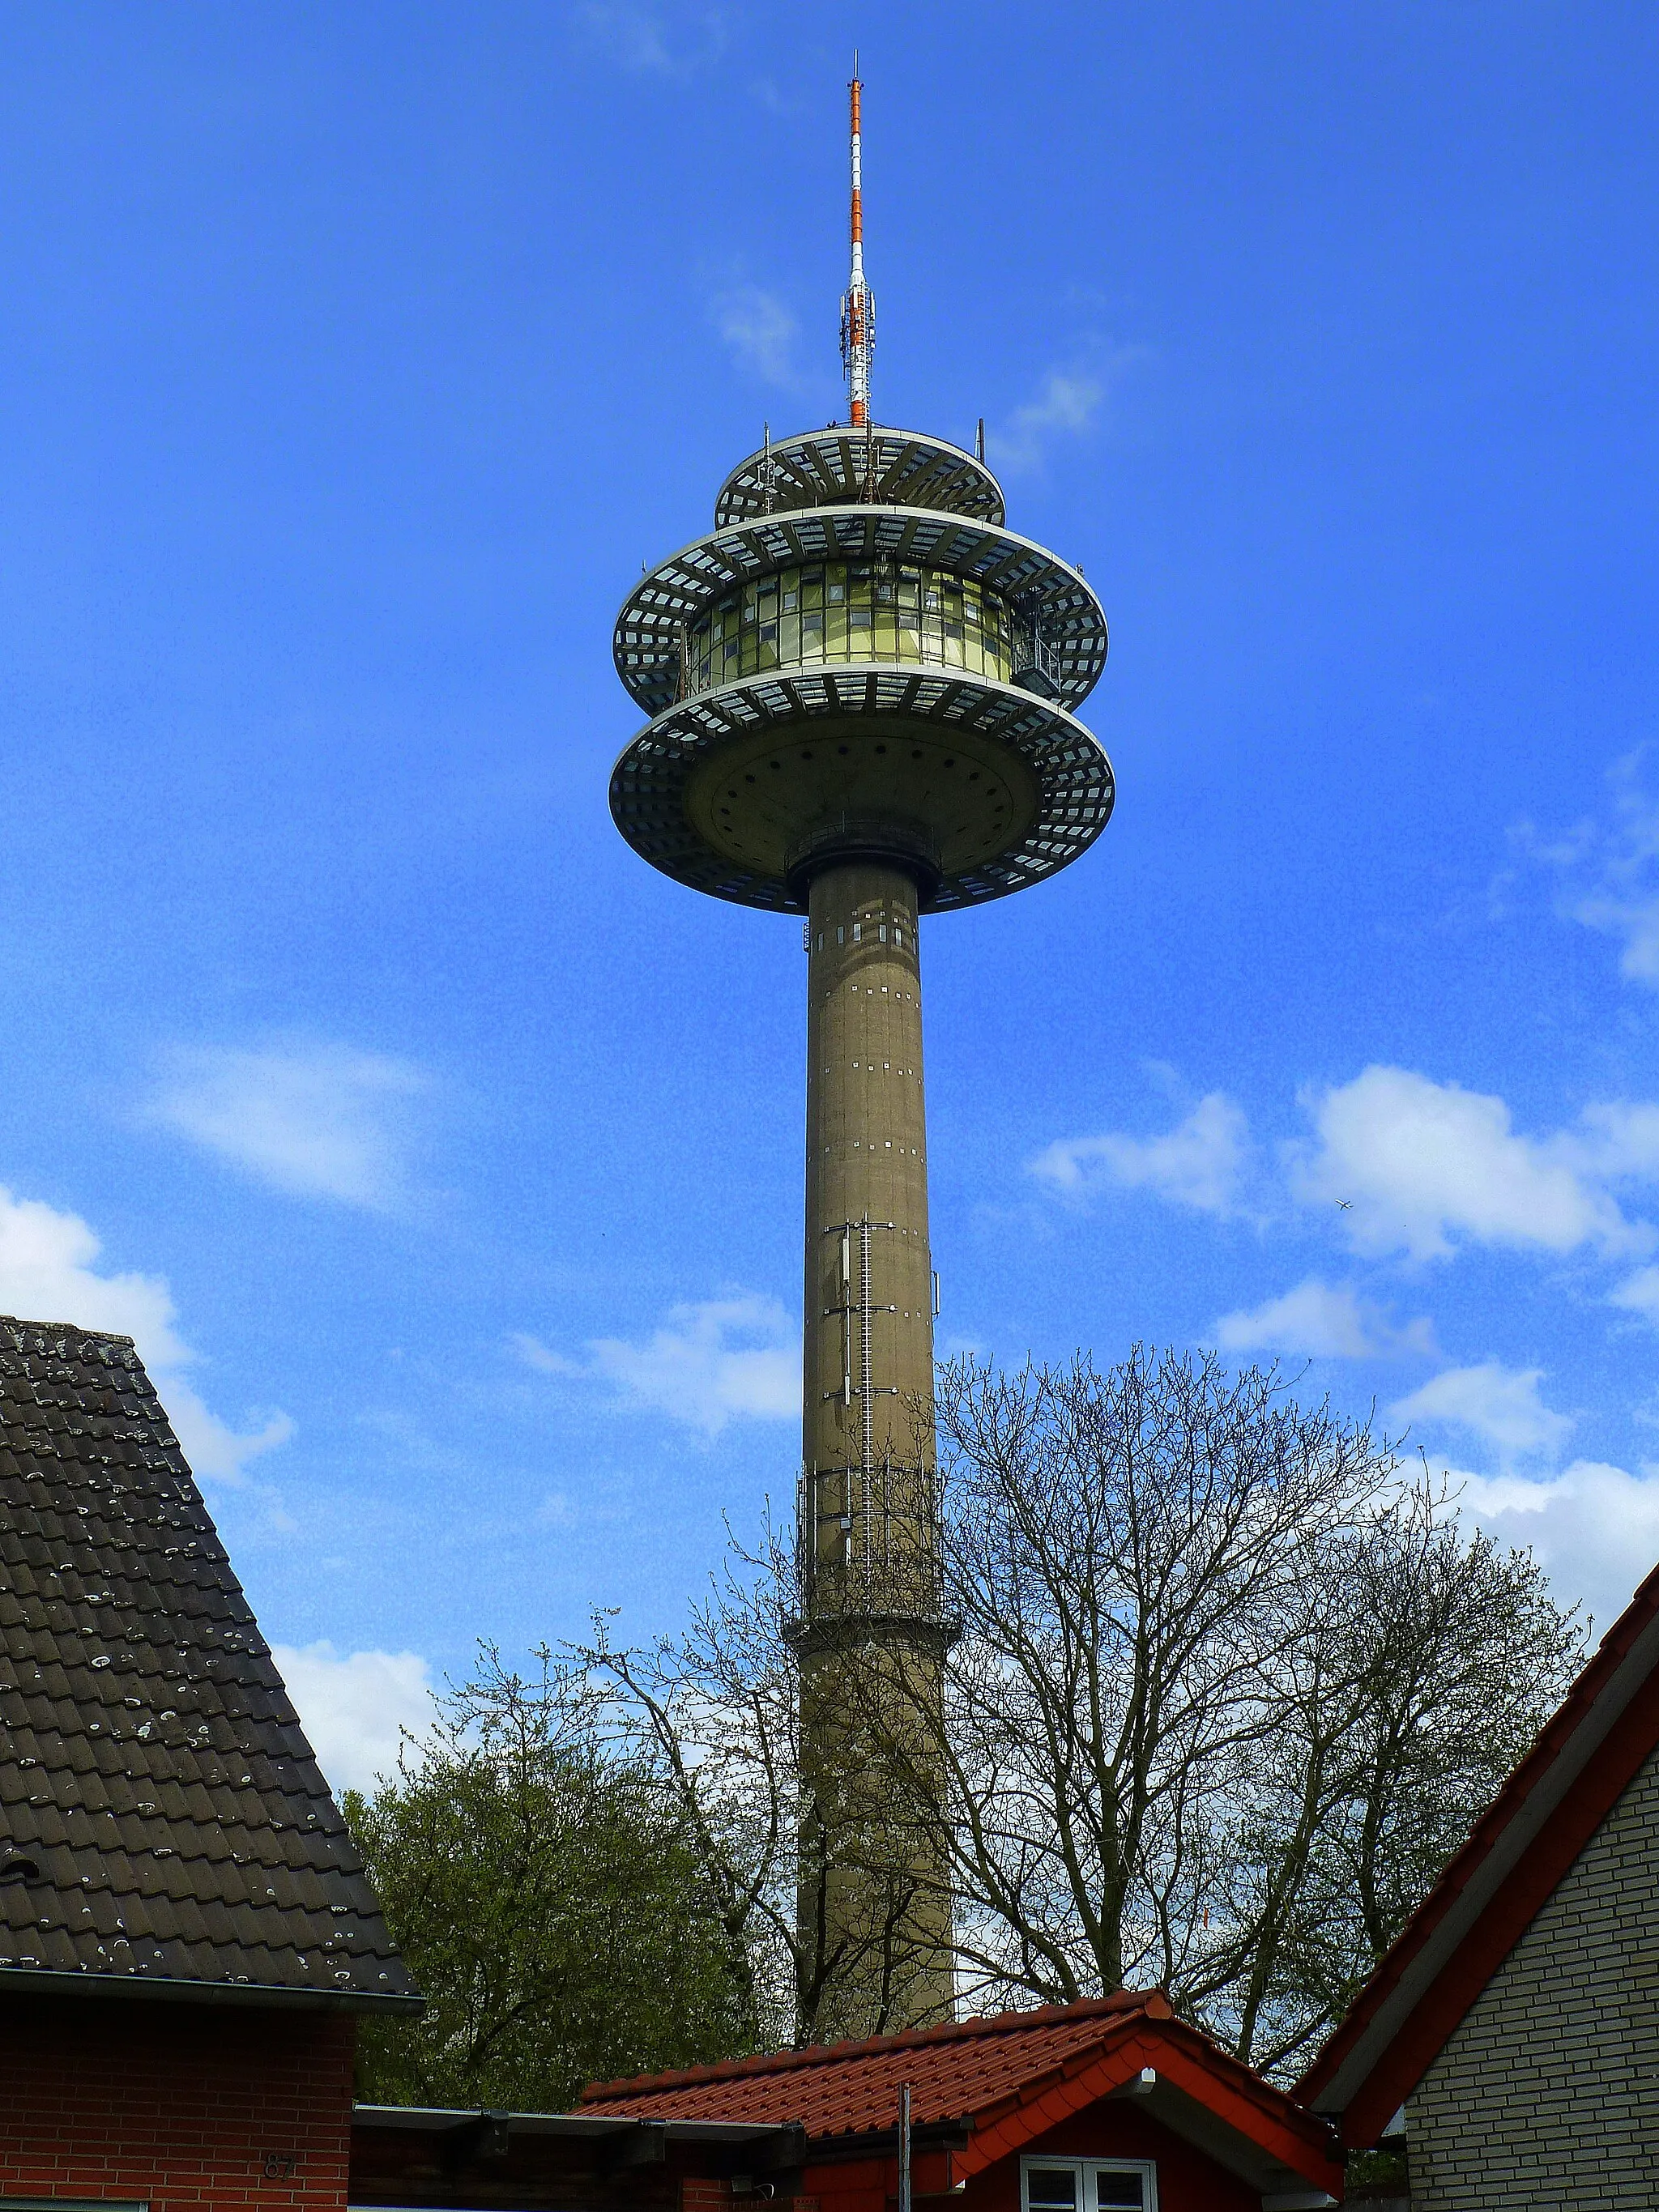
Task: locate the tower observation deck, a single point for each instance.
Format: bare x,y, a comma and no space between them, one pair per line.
861,687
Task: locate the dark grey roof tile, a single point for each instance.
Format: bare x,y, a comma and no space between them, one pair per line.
150,1761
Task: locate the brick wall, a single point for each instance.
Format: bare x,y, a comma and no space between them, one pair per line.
1547,2095
709,2195
705,2196
181,2104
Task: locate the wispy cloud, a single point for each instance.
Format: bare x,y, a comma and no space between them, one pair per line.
1324,1320
317,1120
1066,405
1502,1405
356,1708
760,332
719,1360
665,41
1639,1293
48,1272
1200,1163
1608,871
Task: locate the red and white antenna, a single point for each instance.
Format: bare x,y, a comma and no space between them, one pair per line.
858,307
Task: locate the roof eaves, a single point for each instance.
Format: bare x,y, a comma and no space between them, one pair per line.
443,2119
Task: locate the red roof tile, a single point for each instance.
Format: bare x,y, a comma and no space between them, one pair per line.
961,2068
1007,2079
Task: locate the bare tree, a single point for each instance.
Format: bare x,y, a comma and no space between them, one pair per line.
1432,1660
1227,1685
717,1712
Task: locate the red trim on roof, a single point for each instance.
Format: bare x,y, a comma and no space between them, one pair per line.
1180,2055
1521,1894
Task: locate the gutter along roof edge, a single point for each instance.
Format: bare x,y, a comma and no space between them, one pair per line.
35,1981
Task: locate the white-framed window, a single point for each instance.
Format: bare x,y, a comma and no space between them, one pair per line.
1088,2184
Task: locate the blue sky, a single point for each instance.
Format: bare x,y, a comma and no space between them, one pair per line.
446,1160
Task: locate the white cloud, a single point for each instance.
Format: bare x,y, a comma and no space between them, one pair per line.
1415,1162
1639,1293
1609,875
1620,1143
1322,1320
713,1362
1198,1163
216,1451
1593,1527
356,1708
760,332
48,1272
315,1119
1500,1405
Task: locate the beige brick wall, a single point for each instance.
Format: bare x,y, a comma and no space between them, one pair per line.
1547,2095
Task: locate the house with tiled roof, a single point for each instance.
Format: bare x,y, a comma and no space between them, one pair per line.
1513,2029
1087,2107
186,1934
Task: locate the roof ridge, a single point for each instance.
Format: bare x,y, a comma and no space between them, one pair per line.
979,2026
65,1329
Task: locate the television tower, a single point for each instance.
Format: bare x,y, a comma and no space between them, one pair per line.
860,686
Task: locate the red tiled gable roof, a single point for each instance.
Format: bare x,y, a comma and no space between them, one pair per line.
1008,2078
1605,1730
842,2088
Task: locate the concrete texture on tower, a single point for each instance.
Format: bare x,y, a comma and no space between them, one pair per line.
861,687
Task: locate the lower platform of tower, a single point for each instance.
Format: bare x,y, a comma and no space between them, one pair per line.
875,1896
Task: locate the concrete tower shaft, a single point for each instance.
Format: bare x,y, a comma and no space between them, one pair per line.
867,1442
872,1635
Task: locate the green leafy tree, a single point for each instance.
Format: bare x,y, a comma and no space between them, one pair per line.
550,1903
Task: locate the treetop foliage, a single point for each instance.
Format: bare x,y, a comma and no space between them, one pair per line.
550,1901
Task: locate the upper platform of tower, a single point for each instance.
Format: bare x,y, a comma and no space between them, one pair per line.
872,466
861,661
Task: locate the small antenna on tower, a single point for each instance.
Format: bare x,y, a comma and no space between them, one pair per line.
858,307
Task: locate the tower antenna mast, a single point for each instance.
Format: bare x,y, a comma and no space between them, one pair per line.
858,307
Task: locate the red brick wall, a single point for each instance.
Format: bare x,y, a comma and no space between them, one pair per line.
700,2196
697,2195
180,2104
